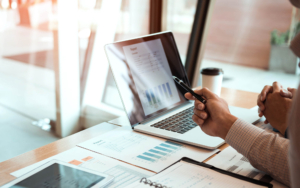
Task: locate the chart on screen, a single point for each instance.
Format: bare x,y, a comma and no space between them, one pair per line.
152,75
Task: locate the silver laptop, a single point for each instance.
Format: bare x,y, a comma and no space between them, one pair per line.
143,69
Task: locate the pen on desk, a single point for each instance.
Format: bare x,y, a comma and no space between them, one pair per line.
188,89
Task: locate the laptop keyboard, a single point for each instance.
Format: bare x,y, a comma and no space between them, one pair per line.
180,122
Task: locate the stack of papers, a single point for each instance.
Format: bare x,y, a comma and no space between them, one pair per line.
146,151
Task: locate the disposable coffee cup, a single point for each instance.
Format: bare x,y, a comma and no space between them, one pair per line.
212,79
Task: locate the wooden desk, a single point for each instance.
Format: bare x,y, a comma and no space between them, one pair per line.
233,97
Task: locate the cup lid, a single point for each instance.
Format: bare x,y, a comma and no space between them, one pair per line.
212,71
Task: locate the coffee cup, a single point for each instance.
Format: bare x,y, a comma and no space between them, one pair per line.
212,79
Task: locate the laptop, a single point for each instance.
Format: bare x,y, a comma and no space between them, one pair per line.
143,68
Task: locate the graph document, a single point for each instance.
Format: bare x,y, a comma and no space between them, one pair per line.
124,174
146,151
152,75
229,159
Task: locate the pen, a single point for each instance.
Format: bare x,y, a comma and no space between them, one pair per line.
188,89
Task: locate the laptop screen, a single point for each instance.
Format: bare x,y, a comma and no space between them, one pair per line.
143,70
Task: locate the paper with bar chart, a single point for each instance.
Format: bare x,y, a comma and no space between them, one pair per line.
146,151
124,174
229,159
152,75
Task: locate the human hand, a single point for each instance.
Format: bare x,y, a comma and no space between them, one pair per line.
213,117
289,93
276,108
269,89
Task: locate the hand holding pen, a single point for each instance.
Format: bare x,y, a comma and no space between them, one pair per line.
188,89
213,116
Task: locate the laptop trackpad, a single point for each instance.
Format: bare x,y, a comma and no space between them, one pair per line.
196,135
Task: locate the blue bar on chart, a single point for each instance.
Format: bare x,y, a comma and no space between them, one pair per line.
152,155
146,158
168,146
173,143
148,97
161,92
157,152
152,96
169,89
156,94
165,90
163,149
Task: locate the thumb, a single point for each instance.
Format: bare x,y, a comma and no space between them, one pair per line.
292,90
205,92
286,94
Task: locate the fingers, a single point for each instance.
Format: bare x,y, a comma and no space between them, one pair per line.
289,93
206,93
197,120
266,122
286,94
292,90
199,105
189,96
267,89
260,104
201,114
276,87
260,113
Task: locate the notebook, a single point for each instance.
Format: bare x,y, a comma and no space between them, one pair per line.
190,173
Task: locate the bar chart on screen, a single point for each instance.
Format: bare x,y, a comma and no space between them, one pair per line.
157,96
152,75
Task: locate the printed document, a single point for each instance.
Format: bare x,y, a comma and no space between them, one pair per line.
184,174
143,150
229,159
124,174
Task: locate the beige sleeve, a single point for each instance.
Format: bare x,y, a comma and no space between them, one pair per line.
266,151
294,135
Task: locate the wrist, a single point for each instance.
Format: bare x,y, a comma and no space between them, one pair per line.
229,121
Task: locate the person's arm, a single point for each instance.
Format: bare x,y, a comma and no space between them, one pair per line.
294,135
266,151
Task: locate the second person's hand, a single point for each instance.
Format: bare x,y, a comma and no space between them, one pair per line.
289,93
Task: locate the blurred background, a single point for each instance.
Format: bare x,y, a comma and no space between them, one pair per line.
248,39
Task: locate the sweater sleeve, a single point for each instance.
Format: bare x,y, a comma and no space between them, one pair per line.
266,151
